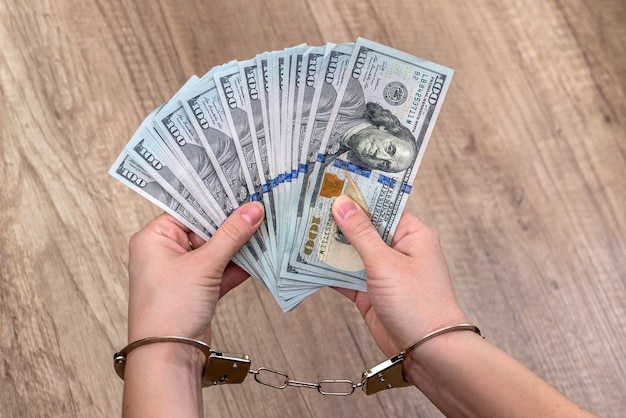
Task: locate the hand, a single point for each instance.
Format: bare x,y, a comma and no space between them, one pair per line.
174,290
409,291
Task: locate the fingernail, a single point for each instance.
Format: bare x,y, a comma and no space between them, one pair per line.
345,207
252,212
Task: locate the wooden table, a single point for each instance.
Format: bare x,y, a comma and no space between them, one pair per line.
525,178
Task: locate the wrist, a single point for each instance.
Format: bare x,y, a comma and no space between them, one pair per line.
167,360
140,329
162,379
435,360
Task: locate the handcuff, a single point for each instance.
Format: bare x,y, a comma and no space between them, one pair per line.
230,368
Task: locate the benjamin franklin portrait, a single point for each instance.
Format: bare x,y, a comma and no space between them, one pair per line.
369,135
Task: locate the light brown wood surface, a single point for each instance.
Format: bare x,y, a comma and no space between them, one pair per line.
525,178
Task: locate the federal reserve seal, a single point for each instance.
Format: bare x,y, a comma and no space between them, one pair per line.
395,93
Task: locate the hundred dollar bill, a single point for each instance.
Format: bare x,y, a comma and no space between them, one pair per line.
145,150
274,83
169,131
254,111
176,130
327,81
206,113
154,160
295,55
277,105
183,140
284,74
263,79
371,150
231,88
275,87
267,81
127,171
325,68
310,63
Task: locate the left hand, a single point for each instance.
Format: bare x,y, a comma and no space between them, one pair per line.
173,289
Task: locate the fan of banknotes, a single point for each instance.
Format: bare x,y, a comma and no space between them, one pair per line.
292,129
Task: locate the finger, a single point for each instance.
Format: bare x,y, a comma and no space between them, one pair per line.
163,231
195,240
233,234
349,293
409,225
361,299
358,228
413,236
233,277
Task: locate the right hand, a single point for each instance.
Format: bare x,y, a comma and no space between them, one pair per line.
409,291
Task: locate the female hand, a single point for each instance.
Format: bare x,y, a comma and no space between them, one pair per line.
174,290
409,291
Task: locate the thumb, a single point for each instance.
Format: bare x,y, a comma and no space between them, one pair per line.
233,234
358,229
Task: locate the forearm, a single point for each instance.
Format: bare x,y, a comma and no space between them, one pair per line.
464,375
163,380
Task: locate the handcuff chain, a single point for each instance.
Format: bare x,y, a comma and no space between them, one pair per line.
222,368
321,386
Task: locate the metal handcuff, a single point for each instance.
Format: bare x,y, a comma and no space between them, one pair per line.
228,368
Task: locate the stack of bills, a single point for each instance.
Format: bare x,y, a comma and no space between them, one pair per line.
292,129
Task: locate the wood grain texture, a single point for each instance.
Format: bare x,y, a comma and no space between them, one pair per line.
525,178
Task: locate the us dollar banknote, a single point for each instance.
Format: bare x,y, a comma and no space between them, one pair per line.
371,150
327,82
232,89
293,129
205,110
